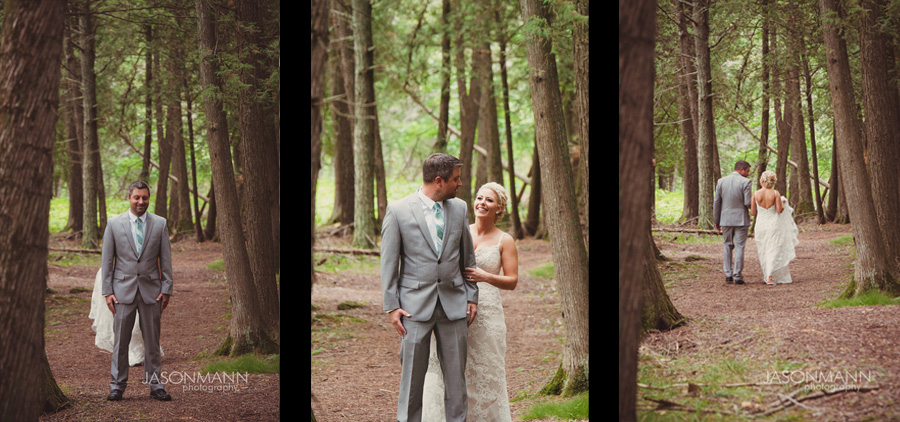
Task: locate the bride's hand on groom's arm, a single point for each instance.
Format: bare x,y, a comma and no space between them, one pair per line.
110,303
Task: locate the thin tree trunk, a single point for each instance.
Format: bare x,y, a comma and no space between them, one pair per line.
364,140
705,135
90,232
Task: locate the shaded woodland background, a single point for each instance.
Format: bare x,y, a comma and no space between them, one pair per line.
807,89
97,94
502,85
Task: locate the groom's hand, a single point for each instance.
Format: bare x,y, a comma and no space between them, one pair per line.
396,322
110,303
471,311
165,301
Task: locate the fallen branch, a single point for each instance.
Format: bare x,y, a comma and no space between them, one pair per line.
699,231
788,401
67,250
349,251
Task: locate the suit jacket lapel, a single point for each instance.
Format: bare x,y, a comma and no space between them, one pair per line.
126,224
415,207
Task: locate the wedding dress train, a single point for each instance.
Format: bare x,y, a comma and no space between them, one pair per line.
776,237
103,326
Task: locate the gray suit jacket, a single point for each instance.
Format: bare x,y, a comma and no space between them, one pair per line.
732,201
413,276
124,270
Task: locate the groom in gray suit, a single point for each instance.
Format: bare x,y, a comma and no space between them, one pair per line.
137,277
425,247
731,218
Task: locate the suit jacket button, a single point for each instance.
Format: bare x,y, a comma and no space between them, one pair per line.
439,280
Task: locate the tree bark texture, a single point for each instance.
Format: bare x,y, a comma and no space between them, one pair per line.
637,31
30,59
559,203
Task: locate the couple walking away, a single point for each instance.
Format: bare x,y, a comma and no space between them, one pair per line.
441,275
131,290
776,232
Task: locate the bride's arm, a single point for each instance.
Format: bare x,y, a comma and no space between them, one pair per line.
753,206
779,206
509,259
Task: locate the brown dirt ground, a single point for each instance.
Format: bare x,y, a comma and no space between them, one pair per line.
193,325
356,374
765,324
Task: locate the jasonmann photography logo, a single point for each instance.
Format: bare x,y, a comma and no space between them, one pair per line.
830,380
212,382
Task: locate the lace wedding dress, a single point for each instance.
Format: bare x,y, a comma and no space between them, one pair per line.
103,326
776,236
486,360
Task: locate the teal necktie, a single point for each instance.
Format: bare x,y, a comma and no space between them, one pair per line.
439,223
140,235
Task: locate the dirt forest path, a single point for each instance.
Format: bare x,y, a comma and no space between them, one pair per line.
192,327
355,352
760,330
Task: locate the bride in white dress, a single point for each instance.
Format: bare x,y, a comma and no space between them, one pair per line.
103,326
486,355
776,232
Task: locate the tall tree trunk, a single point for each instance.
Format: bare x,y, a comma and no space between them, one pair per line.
763,158
582,79
247,334
31,47
560,206
318,53
515,224
341,116
705,135
882,124
75,130
468,115
256,165
637,36
687,98
490,168
90,232
872,271
812,141
364,140
198,230
533,221
148,103
182,221
440,144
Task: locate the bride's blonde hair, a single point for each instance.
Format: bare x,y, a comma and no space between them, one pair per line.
768,179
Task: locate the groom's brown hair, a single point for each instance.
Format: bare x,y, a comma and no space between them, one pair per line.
741,164
439,165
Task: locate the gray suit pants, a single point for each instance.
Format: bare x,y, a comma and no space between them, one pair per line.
123,323
735,238
415,349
